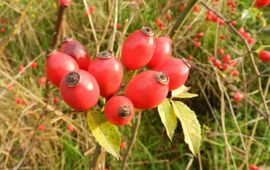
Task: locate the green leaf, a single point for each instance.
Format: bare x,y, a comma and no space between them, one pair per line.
106,134
190,125
168,118
182,92
186,95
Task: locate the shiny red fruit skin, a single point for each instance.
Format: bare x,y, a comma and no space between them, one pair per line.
64,3
264,56
261,3
82,96
177,70
145,91
112,108
108,73
58,65
76,50
138,50
162,51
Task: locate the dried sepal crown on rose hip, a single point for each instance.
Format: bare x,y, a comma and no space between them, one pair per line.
119,110
82,82
80,90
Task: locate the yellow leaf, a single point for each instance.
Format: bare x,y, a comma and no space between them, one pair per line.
190,124
168,118
106,134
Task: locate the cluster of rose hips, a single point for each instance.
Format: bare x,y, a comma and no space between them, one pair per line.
246,35
214,18
81,81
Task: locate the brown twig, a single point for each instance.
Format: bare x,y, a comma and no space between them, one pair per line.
250,53
132,142
182,18
58,26
94,161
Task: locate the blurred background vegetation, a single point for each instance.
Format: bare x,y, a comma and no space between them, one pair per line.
26,31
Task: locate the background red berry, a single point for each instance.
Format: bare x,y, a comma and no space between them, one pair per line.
70,128
238,96
34,65
264,56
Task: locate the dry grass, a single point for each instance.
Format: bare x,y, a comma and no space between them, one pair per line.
235,135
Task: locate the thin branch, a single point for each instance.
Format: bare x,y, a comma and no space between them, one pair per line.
223,124
114,26
59,25
94,162
106,27
132,142
90,21
58,28
182,18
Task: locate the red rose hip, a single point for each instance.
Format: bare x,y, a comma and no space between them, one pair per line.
177,70
238,96
147,89
119,110
264,56
138,48
162,51
261,3
108,72
76,50
226,58
79,89
58,65
64,3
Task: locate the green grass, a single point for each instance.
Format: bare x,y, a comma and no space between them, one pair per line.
56,148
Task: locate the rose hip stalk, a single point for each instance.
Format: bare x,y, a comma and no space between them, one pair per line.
108,72
147,89
79,89
138,48
58,65
76,50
